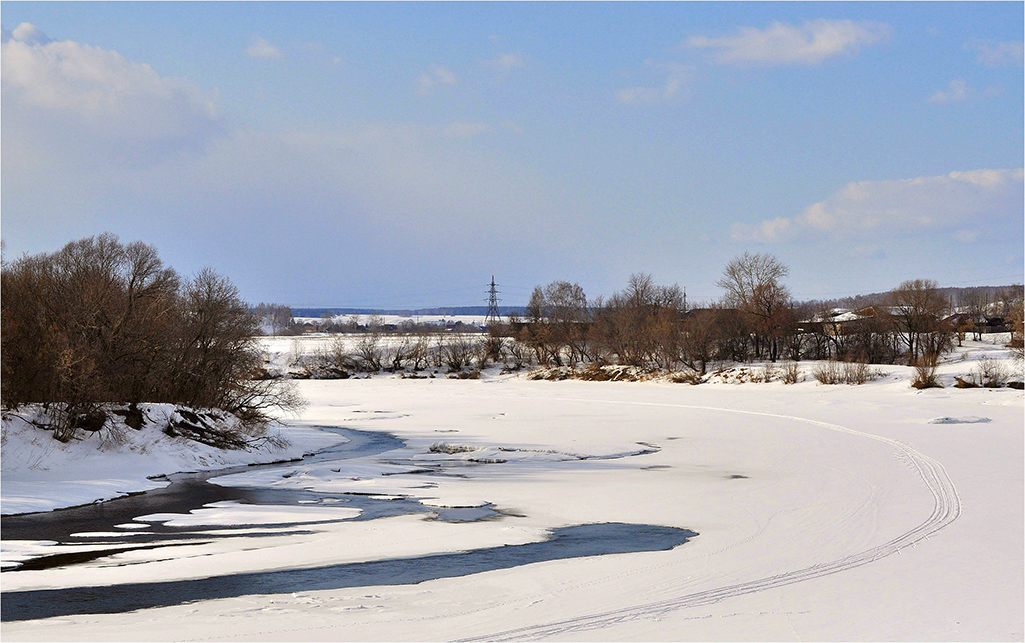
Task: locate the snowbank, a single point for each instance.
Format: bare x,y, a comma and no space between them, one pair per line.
40,473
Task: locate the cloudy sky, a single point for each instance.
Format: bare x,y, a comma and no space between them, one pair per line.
398,155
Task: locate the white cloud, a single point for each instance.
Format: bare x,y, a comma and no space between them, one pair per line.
436,76
64,93
957,91
781,44
878,209
263,50
996,54
27,33
671,88
505,62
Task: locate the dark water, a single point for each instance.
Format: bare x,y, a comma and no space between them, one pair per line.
566,542
189,491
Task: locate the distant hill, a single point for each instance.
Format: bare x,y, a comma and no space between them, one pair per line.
956,296
405,312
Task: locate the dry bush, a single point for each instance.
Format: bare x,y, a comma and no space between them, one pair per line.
925,372
692,377
960,382
828,372
420,350
594,373
790,372
296,355
833,372
517,355
457,352
396,356
768,373
368,352
990,373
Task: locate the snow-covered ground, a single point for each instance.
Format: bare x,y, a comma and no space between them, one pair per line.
473,320
40,473
872,512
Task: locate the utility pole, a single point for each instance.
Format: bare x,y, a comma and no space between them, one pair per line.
493,316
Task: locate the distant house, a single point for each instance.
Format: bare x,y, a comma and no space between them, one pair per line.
977,323
838,321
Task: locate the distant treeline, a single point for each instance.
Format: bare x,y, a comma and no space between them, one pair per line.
648,325
408,312
957,297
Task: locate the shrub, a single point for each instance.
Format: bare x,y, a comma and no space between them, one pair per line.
833,372
925,372
692,377
990,373
828,372
857,373
458,351
960,382
790,372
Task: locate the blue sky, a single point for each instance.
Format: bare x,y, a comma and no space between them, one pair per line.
398,155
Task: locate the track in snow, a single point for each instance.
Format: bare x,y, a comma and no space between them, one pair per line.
946,510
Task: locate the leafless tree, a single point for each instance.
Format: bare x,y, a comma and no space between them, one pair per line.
641,325
753,286
700,332
369,352
457,351
420,350
557,323
976,309
917,309
102,322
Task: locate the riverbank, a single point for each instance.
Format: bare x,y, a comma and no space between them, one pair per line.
40,473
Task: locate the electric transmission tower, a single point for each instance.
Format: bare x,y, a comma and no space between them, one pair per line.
493,316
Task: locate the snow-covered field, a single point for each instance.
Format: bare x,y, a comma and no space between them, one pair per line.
872,512
474,320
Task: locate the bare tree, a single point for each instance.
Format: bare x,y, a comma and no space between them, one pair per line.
557,323
420,350
101,322
917,309
369,352
641,325
753,286
700,331
976,307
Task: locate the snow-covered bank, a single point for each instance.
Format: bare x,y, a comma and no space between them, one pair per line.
39,473
872,512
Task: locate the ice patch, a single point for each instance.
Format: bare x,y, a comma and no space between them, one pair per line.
968,419
232,513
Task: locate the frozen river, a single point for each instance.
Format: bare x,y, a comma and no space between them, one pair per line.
106,529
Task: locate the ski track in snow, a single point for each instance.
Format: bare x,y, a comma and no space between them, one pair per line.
946,509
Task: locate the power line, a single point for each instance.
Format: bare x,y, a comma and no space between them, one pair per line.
493,316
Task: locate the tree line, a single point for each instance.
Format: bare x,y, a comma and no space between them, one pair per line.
101,322
648,325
